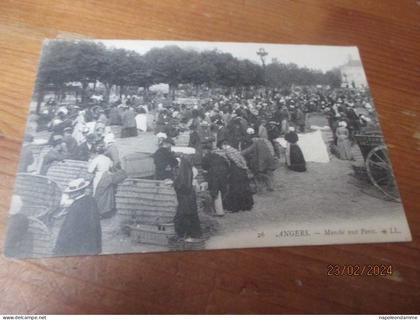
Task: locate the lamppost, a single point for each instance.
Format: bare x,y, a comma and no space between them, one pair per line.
262,53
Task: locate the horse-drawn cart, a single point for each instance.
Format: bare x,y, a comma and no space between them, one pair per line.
377,163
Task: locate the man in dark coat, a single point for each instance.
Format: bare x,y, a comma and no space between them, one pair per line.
129,125
57,153
260,155
114,117
165,161
81,232
217,166
84,150
300,120
70,141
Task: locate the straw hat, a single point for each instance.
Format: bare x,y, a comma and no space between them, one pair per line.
250,131
77,185
161,135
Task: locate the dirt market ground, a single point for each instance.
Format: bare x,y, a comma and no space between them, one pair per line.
327,193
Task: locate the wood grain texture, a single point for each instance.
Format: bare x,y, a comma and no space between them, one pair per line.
277,280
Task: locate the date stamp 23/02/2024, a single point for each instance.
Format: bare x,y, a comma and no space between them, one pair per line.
357,270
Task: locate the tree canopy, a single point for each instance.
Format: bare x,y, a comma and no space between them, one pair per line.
86,62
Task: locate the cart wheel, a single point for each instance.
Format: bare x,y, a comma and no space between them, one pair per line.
379,170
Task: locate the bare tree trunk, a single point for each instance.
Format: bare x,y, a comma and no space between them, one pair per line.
172,89
39,99
84,89
107,92
146,93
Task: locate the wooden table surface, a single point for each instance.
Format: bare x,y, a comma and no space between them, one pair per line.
277,280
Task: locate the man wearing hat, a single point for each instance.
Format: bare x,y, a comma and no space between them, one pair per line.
129,125
300,120
114,116
57,153
165,161
84,150
81,232
69,140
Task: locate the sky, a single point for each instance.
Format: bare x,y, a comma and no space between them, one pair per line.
314,57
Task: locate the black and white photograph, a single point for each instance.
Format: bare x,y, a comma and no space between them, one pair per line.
142,146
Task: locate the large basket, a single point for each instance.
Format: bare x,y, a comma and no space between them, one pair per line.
65,171
37,192
145,201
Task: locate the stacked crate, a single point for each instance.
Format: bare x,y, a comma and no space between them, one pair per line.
65,171
147,209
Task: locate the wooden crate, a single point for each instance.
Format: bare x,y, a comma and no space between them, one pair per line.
152,234
37,192
65,171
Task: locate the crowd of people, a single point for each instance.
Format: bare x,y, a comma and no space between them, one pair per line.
235,138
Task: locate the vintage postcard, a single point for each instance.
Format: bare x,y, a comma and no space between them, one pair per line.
141,146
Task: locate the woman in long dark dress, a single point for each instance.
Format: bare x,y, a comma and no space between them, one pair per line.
294,156
187,223
239,195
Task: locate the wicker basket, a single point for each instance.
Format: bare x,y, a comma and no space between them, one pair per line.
142,201
37,192
65,171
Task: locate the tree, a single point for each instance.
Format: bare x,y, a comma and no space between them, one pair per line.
333,78
87,62
169,65
250,74
115,69
88,59
56,67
